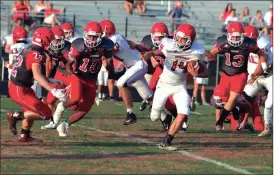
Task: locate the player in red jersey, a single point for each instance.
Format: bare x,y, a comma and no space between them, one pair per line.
59,50
26,69
89,53
236,48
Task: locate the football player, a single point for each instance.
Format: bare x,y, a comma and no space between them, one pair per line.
88,53
245,107
236,48
181,54
58,51
69,31
28,67
19,42
251,89
136,69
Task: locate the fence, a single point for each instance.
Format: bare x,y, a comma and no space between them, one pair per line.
80,20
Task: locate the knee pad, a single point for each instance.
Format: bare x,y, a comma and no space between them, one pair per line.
155,115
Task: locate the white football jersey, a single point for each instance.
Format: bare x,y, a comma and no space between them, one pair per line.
15,50
263,43
175,63
124,53
9,39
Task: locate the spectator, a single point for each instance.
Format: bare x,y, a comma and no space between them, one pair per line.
176,13
268,17
259,23
232,17
141,6
258,20
128,6
50,15
21,13
245,17
39,9
225,13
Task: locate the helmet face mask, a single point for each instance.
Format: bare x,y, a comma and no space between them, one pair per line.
158,31
157,37
235,39
68,34
182,41
92,39
57,44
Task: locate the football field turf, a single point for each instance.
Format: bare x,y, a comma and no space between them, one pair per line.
101,144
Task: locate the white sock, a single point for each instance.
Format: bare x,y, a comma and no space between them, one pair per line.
104,95
268,116
163,115
100,95
130,110
58,112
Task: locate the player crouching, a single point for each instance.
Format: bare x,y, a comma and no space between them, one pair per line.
27,68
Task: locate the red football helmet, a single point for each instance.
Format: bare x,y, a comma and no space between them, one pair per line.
108,28
219,97
159,31
251,32
68,30
19,34
59,41
235,34
93,34
43,37
184,36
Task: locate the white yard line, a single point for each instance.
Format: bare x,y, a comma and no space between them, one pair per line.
183,152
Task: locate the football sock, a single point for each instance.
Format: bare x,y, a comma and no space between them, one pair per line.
130,110
224,114
58,112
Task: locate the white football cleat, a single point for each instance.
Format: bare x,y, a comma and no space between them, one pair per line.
51,125
63,129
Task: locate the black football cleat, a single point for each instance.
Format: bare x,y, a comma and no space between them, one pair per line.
130,119
143,105
165,144
167,122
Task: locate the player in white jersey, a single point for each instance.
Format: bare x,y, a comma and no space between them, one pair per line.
17,43
136,69
262,81
182,55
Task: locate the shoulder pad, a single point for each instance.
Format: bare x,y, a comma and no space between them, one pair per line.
222,40
37,49
107,44
79,44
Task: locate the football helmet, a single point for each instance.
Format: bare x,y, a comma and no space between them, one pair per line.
92,34
184,36
108,28
43,37
59,41
19,34
235,34
251,32
158,31
68,30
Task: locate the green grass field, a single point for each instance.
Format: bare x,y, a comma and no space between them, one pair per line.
101,144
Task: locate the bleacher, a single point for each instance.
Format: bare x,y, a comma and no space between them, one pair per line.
203,15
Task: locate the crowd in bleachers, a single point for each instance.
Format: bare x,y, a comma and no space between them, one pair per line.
260,21
44,14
